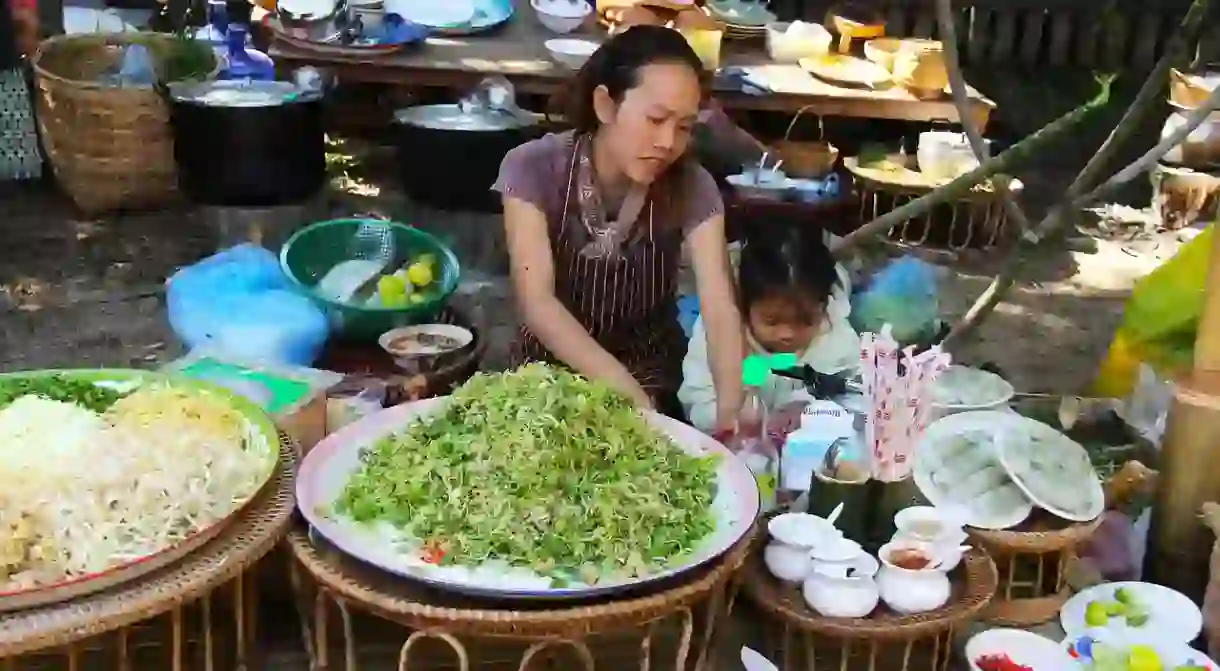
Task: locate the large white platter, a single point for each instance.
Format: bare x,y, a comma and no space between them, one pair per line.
330,464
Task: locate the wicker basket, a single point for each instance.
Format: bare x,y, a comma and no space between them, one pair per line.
111,148
799,638
1033,561
806,159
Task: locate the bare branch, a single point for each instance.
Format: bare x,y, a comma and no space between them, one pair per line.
1006,162
1062,214
1152,90
1141,165
961,101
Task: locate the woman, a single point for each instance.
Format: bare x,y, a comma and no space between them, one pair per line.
596,217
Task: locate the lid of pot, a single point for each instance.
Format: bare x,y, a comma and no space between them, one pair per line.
453,117
227,93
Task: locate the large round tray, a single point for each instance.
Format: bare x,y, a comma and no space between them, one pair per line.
974,583
223,560
43,595
328,466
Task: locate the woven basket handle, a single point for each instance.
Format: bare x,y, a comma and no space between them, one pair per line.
796,117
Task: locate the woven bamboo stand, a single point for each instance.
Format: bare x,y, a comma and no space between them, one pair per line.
1033,560
803,639
975,221
454,632
167,619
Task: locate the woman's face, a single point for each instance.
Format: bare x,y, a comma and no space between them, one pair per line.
785,324
651,127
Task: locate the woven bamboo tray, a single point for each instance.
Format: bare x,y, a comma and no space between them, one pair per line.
1033,560
977,220
801,638
462,625
65,629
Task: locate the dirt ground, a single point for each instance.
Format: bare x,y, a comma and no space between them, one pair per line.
85,292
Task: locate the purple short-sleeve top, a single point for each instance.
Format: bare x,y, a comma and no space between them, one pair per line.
538,172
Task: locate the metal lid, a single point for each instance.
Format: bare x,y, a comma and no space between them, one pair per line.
453,117
238,93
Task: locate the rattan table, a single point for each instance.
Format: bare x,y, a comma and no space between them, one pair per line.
537,631
113,619
803,639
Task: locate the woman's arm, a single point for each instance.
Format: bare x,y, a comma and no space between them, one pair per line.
533,274
721,318
698,392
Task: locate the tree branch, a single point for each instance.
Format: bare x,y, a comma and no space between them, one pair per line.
1062,214
1006,162
961,101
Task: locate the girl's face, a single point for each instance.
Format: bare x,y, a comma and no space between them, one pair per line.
651,127
785,324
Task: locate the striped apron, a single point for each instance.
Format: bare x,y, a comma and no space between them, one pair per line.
626,299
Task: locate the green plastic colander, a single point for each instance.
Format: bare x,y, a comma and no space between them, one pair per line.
312,251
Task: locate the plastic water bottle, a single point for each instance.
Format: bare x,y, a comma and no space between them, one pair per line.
243,62
754,448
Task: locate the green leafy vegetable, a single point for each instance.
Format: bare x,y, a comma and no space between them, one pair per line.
541,469
59,388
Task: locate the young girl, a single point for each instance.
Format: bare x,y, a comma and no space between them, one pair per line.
794,299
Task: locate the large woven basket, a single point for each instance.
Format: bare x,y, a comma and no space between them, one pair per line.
111,147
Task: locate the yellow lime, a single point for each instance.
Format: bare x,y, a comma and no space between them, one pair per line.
420,274
1143,658
1095,614
390,287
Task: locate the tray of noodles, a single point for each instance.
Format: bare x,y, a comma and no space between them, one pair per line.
530,484
111,474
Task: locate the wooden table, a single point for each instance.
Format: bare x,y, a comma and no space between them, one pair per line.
516,51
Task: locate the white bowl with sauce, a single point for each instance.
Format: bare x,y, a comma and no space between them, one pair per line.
424,347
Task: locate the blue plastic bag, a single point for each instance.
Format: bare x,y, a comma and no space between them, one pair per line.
904,295
238,302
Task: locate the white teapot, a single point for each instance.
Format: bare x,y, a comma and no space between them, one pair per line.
912,579
789,555
843,588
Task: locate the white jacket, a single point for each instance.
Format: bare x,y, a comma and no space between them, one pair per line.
834,351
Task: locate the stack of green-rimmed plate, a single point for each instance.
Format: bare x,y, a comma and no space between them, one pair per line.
741,18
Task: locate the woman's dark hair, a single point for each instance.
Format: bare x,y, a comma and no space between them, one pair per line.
787,260
616,65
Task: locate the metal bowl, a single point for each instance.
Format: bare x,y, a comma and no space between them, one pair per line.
323,27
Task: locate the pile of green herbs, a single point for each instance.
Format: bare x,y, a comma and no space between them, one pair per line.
540,469
58,388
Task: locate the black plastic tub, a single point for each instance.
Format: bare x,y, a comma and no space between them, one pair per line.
249,155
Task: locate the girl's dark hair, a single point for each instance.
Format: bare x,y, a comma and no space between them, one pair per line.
616,65
787,260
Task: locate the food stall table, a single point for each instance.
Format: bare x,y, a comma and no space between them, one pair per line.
690,603
884,639
114,618
516,51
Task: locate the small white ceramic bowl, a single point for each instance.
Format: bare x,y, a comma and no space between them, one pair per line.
571,52
1023,647
412,351
561,16
925,523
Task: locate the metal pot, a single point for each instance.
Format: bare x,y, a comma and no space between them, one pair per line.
449,157
248,144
